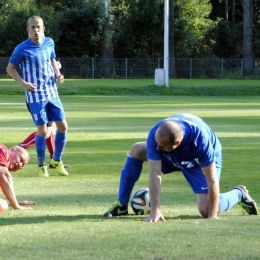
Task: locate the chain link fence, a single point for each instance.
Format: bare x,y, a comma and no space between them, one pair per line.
128,68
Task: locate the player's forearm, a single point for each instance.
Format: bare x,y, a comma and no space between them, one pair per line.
55,67
213,189
6,183
155,190
213,199
15,75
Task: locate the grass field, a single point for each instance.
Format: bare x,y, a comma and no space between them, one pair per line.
67,221
145,87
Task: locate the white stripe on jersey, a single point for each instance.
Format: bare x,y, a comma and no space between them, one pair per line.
35,62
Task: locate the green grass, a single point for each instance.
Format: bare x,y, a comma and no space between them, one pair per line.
67,221
177,87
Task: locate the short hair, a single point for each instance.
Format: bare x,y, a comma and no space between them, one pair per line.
22,152
34,17
169,129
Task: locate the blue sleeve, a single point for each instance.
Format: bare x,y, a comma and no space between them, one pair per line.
16,57
53,55
206,151
152,152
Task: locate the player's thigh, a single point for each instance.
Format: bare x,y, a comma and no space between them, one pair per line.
55,110
138,151
196,179
38,112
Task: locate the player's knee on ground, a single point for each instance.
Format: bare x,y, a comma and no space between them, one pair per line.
202,202
203,212
138,151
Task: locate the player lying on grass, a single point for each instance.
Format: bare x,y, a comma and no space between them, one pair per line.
12,159
182,142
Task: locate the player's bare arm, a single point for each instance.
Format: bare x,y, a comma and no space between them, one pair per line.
155,190
12,72
24,202
56,66
6,182
213,190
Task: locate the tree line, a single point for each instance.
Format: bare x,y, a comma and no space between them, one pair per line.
135,28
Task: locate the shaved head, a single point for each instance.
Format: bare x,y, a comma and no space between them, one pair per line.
18,158
22,153
170,130
34,18
168,136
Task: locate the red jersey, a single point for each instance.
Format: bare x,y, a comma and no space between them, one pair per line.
4,156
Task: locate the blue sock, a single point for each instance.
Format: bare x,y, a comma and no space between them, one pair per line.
129,176
40,144
228,199
60,143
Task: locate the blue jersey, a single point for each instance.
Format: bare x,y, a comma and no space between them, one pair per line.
35,63
199,146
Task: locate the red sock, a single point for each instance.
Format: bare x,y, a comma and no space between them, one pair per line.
50,142
29,141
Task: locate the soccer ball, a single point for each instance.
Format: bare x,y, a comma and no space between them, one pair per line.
140,202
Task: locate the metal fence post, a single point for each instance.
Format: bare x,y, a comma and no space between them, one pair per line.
158,63
242,64
93,68
191,68
126,68
222,67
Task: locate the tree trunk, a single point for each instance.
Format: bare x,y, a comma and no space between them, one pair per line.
248,37
107,64
226,10
233,23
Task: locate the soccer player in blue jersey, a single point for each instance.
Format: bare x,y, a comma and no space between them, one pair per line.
182,142
36,58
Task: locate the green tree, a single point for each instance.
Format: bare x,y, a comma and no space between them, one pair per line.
81,31
234,18
256,28
60,5
138,28
192,24
248,36
14,29
224,46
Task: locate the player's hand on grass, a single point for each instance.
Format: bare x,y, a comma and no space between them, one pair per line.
213,217
155,216
26,202
23,208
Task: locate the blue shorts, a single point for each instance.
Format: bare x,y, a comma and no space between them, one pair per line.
194,176
49,110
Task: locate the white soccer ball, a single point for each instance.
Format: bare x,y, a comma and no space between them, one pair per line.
140,202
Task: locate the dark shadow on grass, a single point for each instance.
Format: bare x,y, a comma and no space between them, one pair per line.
44,219
66,218
143,217
185,217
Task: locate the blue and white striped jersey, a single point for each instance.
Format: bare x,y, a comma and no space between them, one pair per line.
35,63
